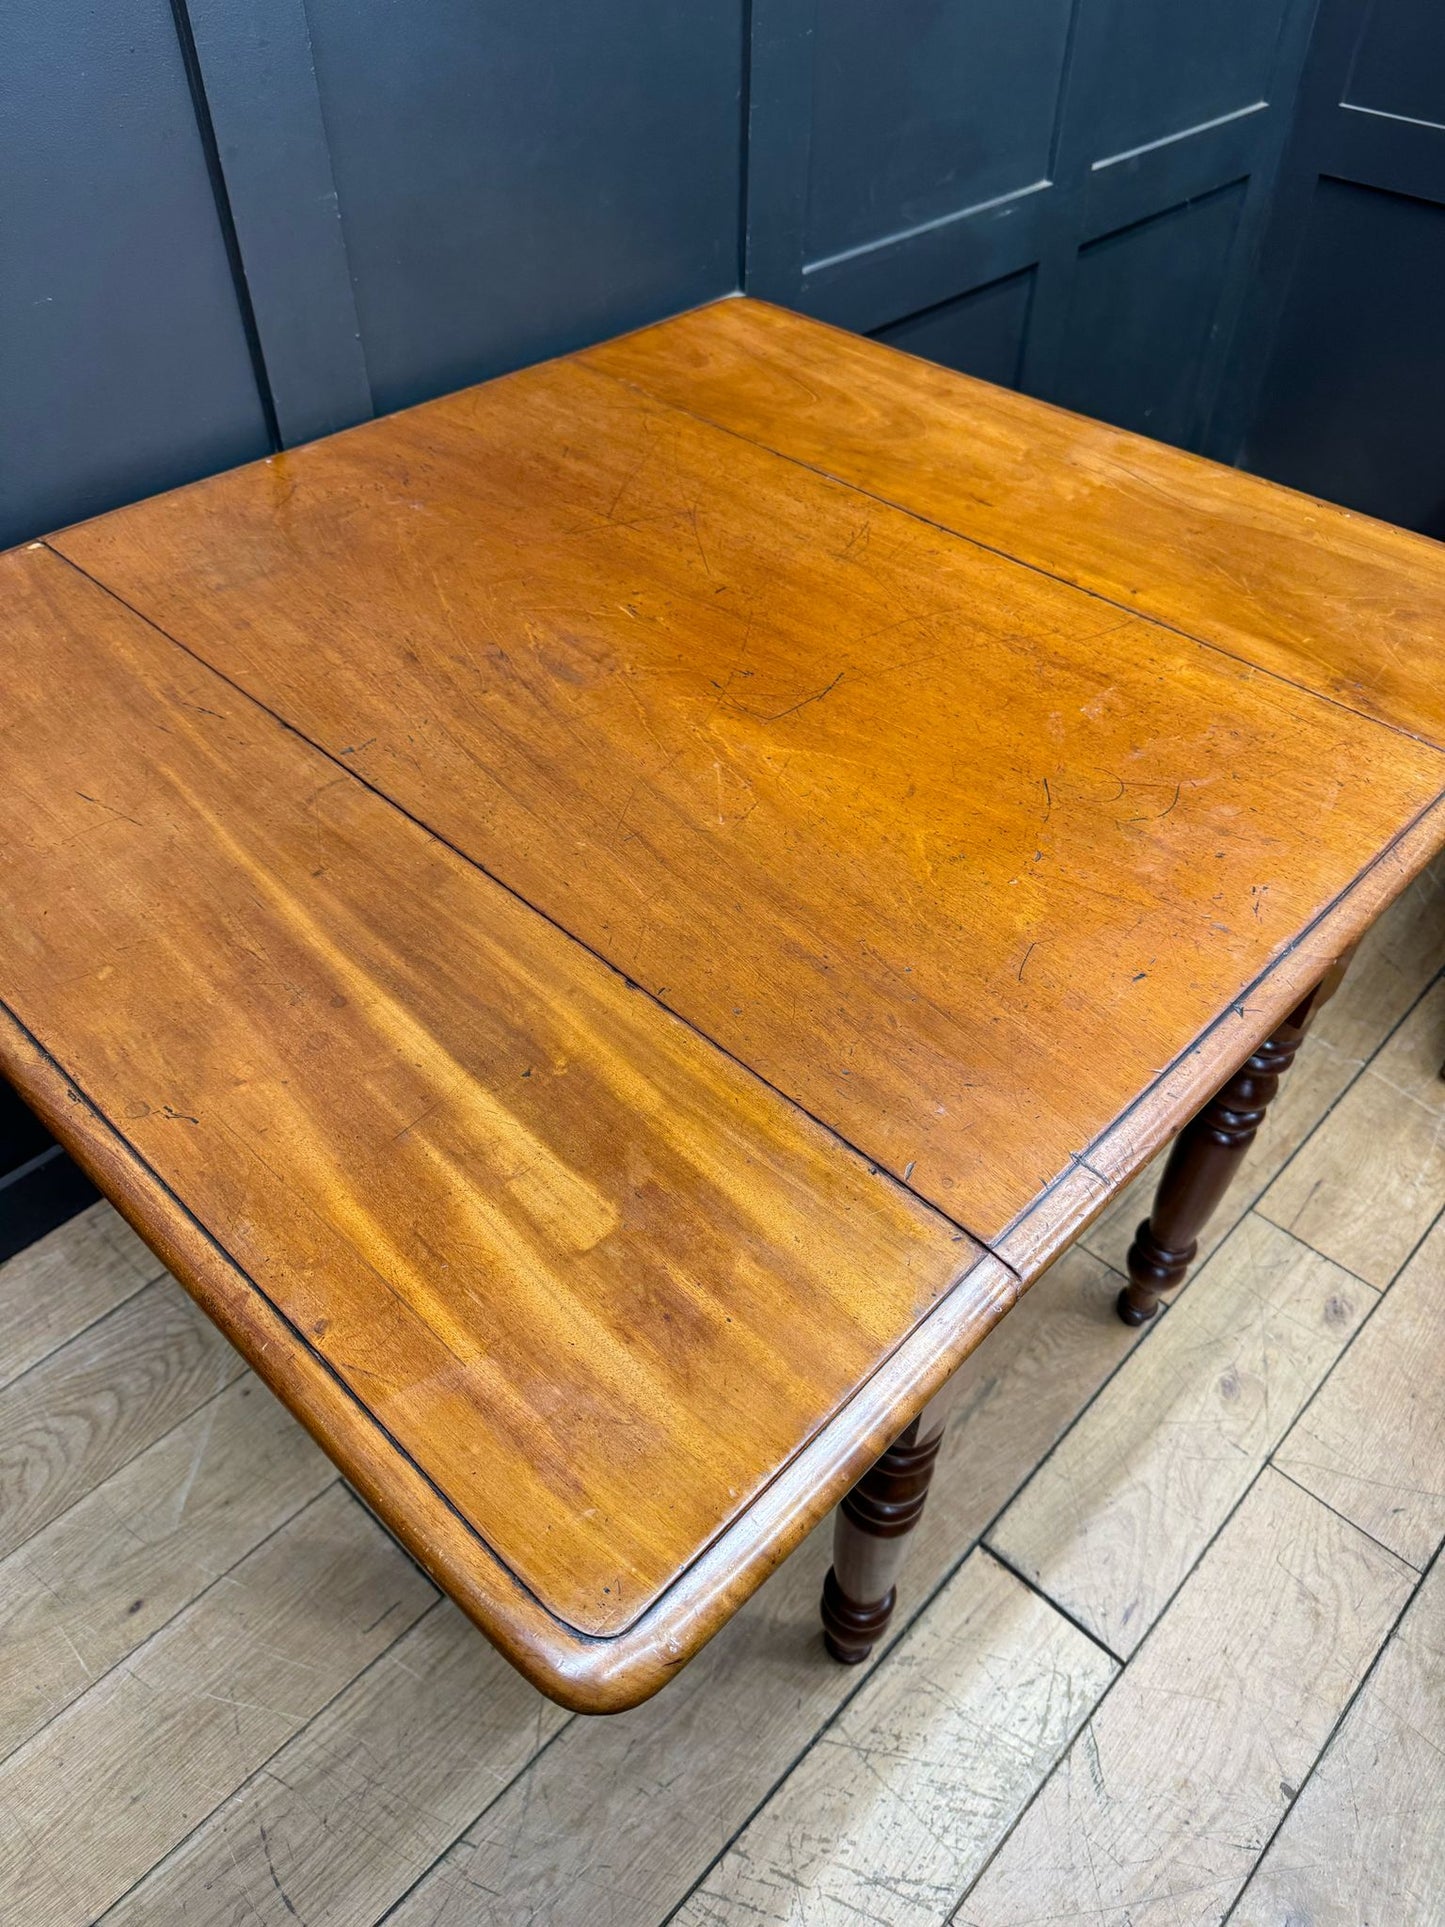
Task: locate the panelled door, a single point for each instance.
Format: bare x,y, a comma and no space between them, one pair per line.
1063,195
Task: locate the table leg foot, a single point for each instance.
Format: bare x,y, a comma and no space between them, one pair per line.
852,1628
1206,1155
870,1537
1134,1308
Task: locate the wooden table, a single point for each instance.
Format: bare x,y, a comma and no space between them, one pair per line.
606,927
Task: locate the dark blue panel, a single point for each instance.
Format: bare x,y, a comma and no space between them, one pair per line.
260,87
920,114
39,1186
1123,192
22,1135
980,333
1140,317
124,366
1399,67
38,1197
1354,402
926,269
519,180
1160,66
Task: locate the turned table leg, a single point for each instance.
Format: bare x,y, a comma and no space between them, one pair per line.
870,1537
1205,1157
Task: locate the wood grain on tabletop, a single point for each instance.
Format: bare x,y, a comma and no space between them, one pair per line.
952,853
1334,600
447,1143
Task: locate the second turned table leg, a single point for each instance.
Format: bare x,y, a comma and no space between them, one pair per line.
870,1536
873,1523
1205,1157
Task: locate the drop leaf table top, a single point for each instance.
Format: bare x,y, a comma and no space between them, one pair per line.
606,926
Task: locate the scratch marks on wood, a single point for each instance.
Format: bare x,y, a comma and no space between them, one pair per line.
275,1877
1157,816
816,697
1178,1782
100,804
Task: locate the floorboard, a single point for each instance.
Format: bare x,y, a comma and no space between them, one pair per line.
1372,1442
903,1798
71,1277
107,1788
85,1411
1366,1186
1114,1519
97,1582
1160,1808
1364,1845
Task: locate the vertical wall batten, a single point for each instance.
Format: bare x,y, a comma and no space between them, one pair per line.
257,95
207,134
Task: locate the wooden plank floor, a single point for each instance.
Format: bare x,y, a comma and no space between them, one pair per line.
1172,1646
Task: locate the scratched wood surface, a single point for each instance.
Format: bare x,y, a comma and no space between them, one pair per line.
901,1801
1371,1443
952,853
1314,592
1160,1807
78,1597
1363,1842
1395,962
614,1822
82,1412
436,1789
1382,1141
445,1141
204,1703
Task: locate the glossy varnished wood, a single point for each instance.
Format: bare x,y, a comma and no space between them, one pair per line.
593,1281
1333,600
916,894
948,851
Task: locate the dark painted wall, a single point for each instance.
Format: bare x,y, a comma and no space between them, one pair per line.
124,363
580,174
226,224
231,227
1341,370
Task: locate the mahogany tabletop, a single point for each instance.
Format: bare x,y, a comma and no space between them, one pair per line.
607,925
